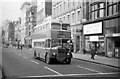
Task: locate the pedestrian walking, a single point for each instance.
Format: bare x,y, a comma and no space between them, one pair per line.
93,52
18,46
21,46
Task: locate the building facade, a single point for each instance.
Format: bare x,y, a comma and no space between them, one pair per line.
5,31
101,27
11,32
25,6
44,9
70,11
8,31
31,19
17,34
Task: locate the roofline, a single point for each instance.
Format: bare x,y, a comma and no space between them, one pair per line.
25,3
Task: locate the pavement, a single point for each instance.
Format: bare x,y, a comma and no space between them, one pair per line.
113,62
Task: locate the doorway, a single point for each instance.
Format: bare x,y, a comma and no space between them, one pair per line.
77,43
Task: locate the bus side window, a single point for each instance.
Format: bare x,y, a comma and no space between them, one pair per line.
43,44
47,44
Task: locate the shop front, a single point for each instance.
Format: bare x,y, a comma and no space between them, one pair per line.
93,36
97,41
112,37
113,45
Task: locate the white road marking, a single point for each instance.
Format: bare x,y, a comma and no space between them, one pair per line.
34,61
24,57
89,69
20,54
15,52
52,70
68,75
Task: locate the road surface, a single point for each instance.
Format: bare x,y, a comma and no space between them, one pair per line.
21,64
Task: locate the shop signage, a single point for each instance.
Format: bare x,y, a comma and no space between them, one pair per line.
94,28
113,35
93,38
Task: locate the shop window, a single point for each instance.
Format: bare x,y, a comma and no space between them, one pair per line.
92,17
95,14
110,10
54,12
96,6
60,8
73,17
114,9
101,5
92,8
78,16
101,12
57,10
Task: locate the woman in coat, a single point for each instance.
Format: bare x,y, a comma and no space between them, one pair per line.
93,52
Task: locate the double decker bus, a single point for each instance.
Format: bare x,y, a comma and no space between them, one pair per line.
50,42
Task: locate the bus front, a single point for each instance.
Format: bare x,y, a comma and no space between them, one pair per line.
60,46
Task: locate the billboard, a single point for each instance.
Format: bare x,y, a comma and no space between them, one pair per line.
94,28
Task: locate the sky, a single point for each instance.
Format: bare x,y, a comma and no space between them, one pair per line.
10,10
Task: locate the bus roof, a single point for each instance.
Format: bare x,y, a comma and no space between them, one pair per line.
52,22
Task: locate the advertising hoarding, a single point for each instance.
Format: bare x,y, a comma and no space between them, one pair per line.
94,28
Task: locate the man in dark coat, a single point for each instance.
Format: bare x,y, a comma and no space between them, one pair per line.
93,52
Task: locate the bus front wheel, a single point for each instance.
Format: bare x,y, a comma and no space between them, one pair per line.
47,59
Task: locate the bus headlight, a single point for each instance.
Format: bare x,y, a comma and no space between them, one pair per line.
53,53
68,53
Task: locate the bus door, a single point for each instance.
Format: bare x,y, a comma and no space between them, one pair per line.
47,45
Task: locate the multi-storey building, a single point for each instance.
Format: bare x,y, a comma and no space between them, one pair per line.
70,11
31,19
25,6
8,31
11,32
5,31
44,9
101,26
17,34
93,22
